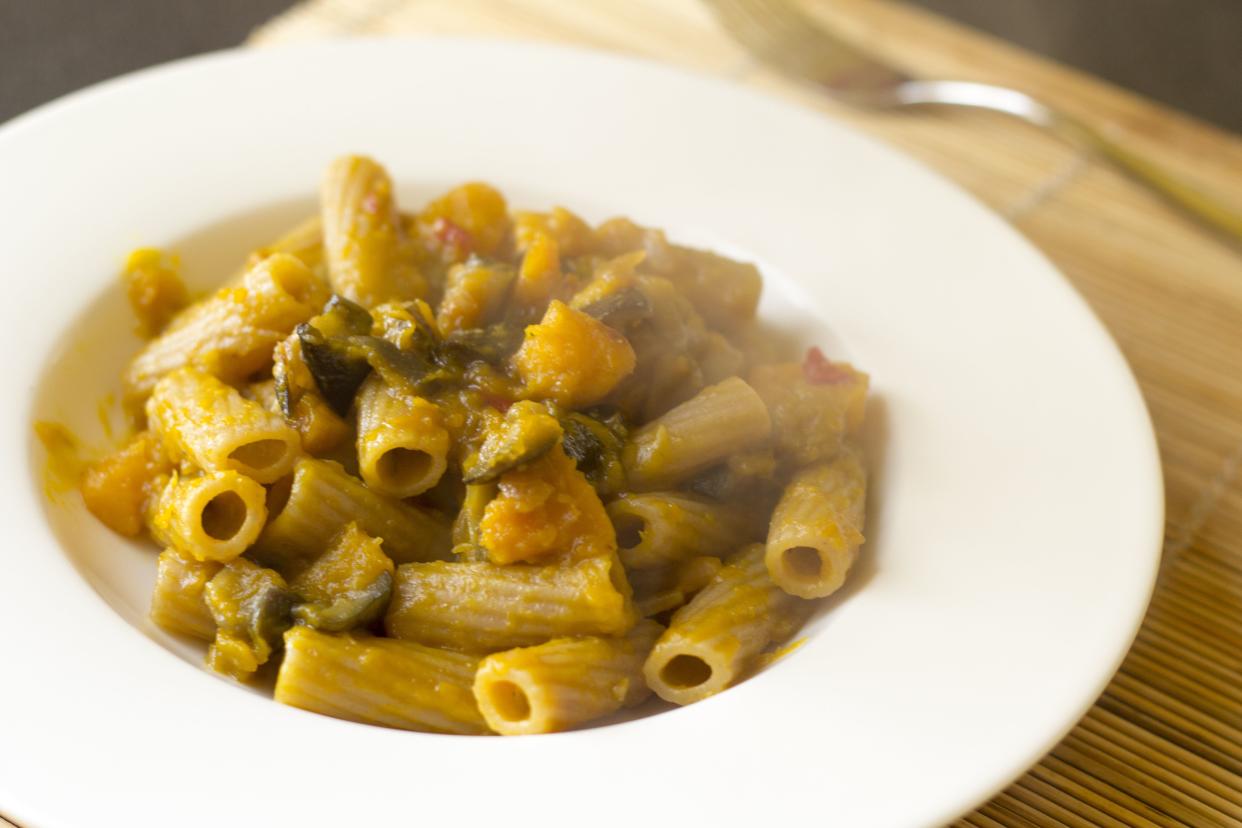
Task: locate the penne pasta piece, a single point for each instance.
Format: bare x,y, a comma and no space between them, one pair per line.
661,528
379,681
563,682
717,422
231,334
214,516
402,443
177,603
497,607
116,489
716,638
369,259
202,420
817,527
321,498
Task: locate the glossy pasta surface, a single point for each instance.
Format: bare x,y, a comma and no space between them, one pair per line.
468,470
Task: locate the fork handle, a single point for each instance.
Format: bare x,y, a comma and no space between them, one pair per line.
1204,209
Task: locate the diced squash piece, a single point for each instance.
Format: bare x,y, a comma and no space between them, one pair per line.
810,419
539,277
116,488
348,586
572,358
543,510
154,289
475,209
474,293
572,235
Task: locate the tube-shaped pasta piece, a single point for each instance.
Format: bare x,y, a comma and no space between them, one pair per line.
369,260
201,419
321,498
379,681
717,637
231,334
303,241
497,607
817,526
660,528
402,443
177,603
718,421
564,682
213,517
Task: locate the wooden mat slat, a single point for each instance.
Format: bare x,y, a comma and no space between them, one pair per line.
1081,801
1163,745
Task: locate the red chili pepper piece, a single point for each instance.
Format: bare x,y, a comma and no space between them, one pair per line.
452,235
819,370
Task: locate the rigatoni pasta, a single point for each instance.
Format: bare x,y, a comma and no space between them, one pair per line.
231,335
718,636
495,607
212,516
379,681
817,527
465,471
210,424
402,444
321,498
564,682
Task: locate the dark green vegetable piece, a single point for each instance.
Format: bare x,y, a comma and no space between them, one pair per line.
348,586
595,446
526,433
251,607
619,310
341,316
336,370
493,344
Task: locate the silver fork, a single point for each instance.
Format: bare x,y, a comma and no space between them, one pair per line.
782,36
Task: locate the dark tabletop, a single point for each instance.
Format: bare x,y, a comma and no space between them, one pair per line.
1187,53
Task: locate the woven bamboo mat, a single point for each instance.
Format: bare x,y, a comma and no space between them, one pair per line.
1163,746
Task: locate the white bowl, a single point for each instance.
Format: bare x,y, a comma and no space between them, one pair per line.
1015,520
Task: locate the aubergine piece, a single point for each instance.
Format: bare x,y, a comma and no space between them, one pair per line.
348,586
595,447
526,432
621,309
251,607
337,371
493,344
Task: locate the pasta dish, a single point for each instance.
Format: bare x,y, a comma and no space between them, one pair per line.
473,470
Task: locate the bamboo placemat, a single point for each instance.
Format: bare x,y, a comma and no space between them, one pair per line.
1163,746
